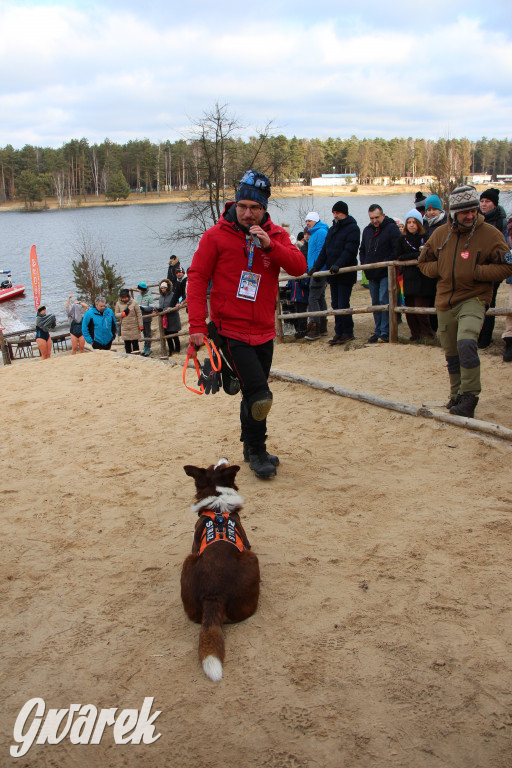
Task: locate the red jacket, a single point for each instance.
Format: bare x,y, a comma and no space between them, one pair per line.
221,256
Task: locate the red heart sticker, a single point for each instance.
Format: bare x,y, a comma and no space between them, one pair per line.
465,254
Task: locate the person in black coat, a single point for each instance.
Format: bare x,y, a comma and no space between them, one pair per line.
494,214
378,243
419,290
340,250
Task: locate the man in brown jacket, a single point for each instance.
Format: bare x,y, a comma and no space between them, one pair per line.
467,256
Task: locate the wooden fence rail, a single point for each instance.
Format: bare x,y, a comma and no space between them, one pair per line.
393,309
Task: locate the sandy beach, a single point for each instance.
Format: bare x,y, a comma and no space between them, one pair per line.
178,196
384,633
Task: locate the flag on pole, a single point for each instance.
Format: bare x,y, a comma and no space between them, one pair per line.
36,277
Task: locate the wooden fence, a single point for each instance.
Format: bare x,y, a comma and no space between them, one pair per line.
393,308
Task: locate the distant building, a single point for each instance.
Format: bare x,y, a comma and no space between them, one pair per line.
479,178
336,179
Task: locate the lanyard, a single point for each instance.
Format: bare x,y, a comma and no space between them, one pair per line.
250,243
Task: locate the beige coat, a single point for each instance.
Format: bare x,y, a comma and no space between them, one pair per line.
129,326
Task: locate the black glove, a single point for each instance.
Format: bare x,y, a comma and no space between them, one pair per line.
125,312
210,379
333,269
310,272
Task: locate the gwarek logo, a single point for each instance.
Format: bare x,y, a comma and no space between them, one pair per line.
88,728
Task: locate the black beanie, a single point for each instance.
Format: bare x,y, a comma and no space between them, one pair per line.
340,207
492,194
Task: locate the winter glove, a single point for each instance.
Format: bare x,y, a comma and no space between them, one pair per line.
333,269
125,312
210,379
310,272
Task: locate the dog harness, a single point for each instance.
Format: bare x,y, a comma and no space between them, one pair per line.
219,527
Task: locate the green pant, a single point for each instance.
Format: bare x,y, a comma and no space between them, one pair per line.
458,329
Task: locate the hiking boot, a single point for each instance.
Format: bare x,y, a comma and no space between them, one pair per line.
507,354
373,339
466,406
300,334
335,340
314,333
260,463
453,401
346,337
270,456
322,325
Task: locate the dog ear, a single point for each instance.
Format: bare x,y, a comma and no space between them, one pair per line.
193,471
228,475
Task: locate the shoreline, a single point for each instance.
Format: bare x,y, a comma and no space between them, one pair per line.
166,198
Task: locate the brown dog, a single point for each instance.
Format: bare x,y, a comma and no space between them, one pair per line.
220,580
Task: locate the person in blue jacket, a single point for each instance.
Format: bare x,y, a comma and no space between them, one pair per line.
317,234
378,243
99,325
340,250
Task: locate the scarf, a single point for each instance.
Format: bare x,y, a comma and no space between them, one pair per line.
46,322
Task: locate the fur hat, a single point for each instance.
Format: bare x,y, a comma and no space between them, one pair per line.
340,207
254,186
435,202
463,198
492,194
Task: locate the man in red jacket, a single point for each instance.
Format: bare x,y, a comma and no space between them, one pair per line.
242,255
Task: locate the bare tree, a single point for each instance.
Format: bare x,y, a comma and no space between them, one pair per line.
217,155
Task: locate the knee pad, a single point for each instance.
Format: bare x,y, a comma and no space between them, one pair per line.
261,406
468,353
453,363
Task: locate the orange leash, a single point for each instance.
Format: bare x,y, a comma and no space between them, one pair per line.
216,366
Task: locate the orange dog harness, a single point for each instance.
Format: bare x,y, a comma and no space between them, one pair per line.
219,527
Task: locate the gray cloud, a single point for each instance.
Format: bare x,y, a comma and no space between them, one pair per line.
121,72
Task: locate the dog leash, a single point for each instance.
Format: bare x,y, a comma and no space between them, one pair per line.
192,355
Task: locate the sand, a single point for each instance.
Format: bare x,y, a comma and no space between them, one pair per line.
384,631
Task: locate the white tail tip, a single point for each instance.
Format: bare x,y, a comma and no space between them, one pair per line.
212,668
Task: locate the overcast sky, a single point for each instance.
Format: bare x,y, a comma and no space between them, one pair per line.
126,69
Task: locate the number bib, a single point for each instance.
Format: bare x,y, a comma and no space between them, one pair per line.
248,286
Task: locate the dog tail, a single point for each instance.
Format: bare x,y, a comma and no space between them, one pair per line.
211,640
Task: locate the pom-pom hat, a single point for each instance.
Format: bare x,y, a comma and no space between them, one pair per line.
254,186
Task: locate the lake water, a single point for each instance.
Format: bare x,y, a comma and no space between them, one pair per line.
132,238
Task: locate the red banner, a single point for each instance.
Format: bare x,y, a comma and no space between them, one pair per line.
36,277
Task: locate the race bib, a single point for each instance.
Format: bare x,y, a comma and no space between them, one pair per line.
248,286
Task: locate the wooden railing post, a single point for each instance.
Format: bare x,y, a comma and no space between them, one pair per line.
163,342
393,318
5,352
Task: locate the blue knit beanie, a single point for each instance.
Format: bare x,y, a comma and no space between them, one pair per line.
414,214
434,201
254,186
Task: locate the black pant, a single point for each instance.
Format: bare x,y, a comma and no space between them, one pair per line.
252,366
173,344
489,320
97,345
131,345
